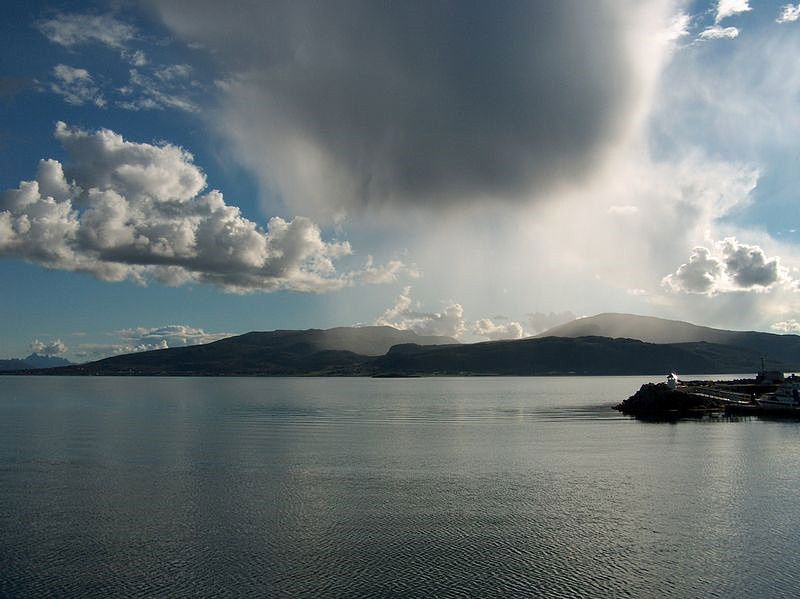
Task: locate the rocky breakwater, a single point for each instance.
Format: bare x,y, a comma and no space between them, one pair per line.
657,400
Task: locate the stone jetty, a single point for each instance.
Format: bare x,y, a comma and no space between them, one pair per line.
694,399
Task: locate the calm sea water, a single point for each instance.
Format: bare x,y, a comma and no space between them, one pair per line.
411,487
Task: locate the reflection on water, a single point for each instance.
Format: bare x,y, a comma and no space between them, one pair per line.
478,486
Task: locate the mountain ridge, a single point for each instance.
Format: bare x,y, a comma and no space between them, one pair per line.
33,361
589,355
780,348
385,351
280,352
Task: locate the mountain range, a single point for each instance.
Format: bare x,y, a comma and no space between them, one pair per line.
602,344
33,361
338,351
776,348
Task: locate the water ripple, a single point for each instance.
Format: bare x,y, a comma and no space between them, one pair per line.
342,488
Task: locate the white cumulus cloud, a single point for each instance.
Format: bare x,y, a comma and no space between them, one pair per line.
786,326
165,90
172,72
48,348
73,29
489,329
123,210
137,58
449,322
139,339
729,8
148,86
789,13
76,86
699,275
739,267
174,335
716,32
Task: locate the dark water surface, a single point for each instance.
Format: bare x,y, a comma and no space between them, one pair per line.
353,487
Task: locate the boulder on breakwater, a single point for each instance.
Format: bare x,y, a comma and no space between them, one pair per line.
658,400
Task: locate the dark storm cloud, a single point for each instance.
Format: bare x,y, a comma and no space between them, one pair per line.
418,101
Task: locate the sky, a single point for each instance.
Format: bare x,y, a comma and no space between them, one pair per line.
173,172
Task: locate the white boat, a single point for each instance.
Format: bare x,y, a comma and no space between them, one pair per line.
786,398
